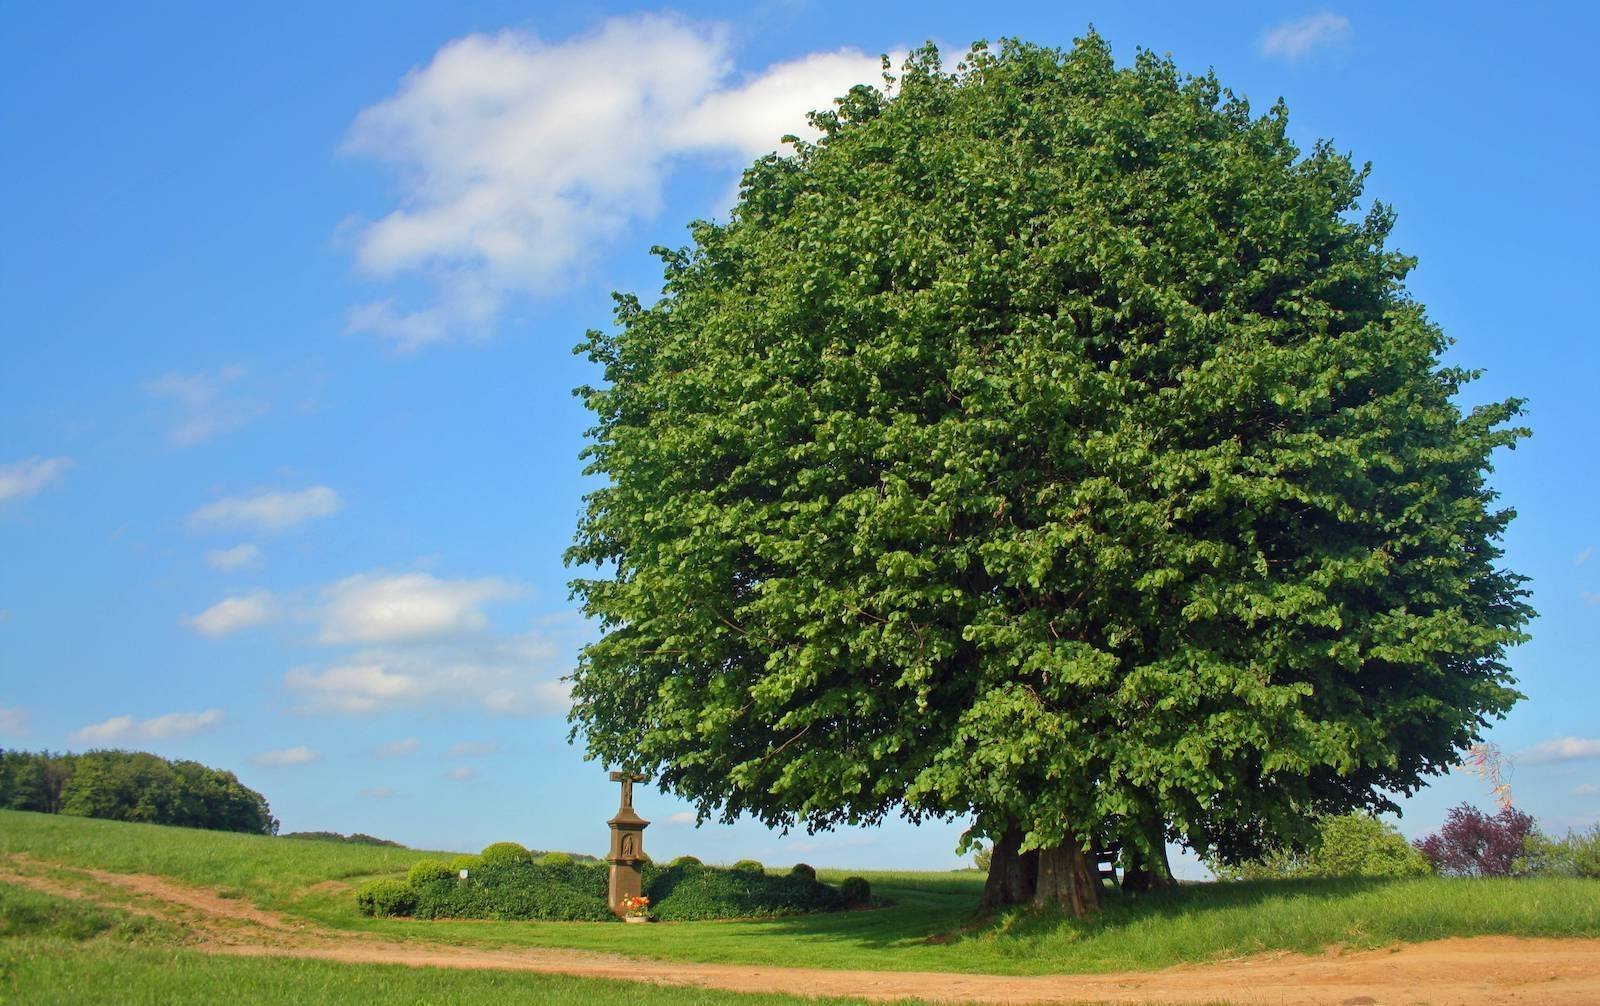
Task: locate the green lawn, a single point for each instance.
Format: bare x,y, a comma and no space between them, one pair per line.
929,926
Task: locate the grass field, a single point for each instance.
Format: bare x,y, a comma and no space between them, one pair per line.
929,926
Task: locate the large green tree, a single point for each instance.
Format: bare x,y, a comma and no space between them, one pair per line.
1053,444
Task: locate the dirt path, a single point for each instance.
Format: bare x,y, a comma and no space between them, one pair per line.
1479,970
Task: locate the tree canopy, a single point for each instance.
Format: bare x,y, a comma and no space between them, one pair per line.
132,786
1050,443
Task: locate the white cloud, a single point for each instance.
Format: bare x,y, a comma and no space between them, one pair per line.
681,819
232,614
241,556
462,772
270,511
204,409
22,479
378,793
472,749
1585,789
1583,557
399,748
297,755
1560,749
519,157
13,722
126,728
1293,39
1589,597
179,724
504,675
370,608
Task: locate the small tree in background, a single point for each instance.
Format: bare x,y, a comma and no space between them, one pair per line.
1473,844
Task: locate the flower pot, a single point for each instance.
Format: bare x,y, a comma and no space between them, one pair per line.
635,918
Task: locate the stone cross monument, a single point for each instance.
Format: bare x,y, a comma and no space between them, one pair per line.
627,845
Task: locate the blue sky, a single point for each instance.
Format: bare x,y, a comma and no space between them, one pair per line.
288,457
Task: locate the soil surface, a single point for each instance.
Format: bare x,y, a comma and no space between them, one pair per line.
1490,969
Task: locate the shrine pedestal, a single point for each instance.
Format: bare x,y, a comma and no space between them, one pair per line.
626,854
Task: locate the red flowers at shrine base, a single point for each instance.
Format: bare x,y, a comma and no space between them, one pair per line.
636,906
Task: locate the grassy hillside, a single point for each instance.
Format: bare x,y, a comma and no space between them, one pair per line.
929,926
53,950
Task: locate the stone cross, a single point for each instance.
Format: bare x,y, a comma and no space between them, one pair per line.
627,779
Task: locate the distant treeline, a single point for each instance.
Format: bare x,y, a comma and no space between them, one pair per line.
333,836
132,786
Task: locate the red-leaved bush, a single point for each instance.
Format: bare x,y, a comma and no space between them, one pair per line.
1473,844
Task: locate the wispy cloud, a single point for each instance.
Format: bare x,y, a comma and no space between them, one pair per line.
520,156
378,793
283,757
125,728
399,748
461,773
472,749
274,510
1583,557
204,408
231,614
13,722
1292,40
513,676
241,556
1584,789
379,608
31,476
1560,749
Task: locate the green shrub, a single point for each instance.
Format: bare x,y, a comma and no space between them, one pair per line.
506,852
749,866
385,897
692,891
1347,845
802,870
685,861
468,862
556,859
856,892
511,889
1577,855
424,870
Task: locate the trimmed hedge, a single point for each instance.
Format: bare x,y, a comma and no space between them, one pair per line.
856,892
386,897
803,870
469,862
686,861
505,888
750,865
425,870
691,891
513,889
556,859
505,852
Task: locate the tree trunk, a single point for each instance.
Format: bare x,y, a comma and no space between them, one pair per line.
1013,875
1067,880
1147,872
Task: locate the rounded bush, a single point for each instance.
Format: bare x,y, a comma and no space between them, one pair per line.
856,891
556,859
505,852
425,871
685,861
749,866
804,871
386,897
467,862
